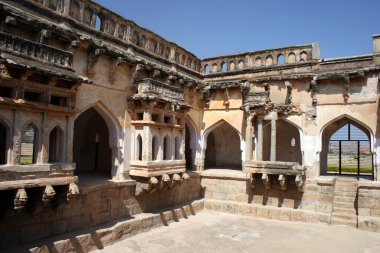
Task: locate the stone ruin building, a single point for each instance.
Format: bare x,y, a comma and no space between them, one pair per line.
103,120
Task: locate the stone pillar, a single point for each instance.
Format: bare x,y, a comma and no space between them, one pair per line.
160,154
147,138
183,137
16,147
260,138
44,155
248,138
273,140
69,139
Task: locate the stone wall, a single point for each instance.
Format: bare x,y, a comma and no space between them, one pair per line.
232,192
369,206
97,204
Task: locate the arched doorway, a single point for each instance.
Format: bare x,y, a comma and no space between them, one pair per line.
3,143
346,149
288,142
92,152
56,145
223,148
190,144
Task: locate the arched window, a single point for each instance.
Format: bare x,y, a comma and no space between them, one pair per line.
29,137
56,147
291,58
269,60
258,61
178,155
139,148
154,148
241,64
224,67
167,148
207,69
232,65
167,53
303,56
349,151
280,59
3,143
98,23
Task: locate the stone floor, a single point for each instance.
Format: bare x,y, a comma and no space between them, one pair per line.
220,232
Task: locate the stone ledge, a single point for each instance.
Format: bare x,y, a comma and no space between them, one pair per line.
369,184
224,174
267,212
326,181
96,238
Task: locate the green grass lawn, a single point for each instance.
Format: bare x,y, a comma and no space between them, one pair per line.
348,169
26,160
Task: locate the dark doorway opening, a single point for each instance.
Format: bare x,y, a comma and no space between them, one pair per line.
3,144
92,152
223,148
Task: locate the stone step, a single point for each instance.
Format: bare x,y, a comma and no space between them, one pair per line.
349,217
340,210
340,221
344,204
344,199
346,183
345,194
345,189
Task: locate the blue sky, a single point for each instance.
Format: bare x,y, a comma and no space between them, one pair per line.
217,27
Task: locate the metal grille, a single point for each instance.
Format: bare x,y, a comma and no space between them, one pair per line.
349,152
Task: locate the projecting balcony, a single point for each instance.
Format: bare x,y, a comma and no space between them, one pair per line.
14,44
150,89
156,168
276,169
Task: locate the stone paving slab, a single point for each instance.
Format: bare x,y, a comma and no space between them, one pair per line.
211,231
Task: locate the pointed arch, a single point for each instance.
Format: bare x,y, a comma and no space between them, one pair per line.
167,148
289,140
155,146
139,147
57,145
191,143
106,135
330,149
30,142
4,142
228,146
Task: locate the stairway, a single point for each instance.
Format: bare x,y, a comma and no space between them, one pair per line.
345,202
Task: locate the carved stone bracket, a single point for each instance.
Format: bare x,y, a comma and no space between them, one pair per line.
346,94
161,183
289,97
93,59
282,180
252,181
300,181
48,194
266,181
20,199
72,192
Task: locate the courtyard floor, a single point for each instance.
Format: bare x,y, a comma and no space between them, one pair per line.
220,232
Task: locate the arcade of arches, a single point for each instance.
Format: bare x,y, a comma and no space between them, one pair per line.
276,130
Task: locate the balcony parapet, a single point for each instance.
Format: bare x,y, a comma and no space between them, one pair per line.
272,169
14,44
150,89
